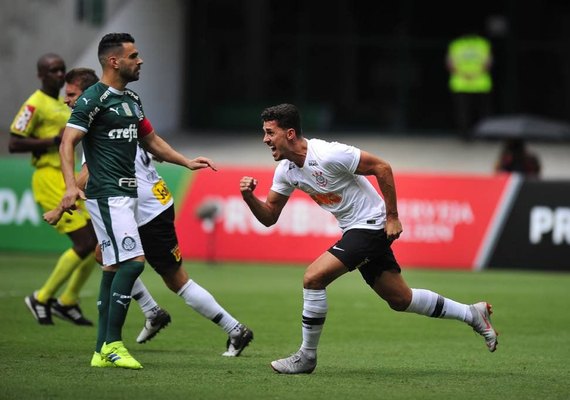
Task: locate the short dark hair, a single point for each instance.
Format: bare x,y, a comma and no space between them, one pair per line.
286,115
82,77
110,42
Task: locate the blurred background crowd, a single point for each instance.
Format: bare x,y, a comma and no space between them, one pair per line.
353,67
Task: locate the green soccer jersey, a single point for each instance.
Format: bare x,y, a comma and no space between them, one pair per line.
111,121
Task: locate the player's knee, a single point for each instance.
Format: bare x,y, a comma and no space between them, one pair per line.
313,281
85,249
398,301
398,305
172,284
175,278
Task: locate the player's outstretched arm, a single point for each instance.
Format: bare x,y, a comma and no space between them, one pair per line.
159,148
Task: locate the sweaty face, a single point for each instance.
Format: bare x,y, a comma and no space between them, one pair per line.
72,93
130,63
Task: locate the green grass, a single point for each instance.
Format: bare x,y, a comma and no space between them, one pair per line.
367,351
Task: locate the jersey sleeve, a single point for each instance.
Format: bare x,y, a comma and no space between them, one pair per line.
83,114
343,158
281,183
25,121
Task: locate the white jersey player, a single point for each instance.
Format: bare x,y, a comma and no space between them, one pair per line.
334,175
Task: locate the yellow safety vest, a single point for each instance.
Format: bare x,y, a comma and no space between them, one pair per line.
469,56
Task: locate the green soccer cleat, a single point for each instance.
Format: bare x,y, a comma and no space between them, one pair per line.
116,353
99,362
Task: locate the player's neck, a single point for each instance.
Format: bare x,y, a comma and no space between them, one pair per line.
51,92
299,152
113,81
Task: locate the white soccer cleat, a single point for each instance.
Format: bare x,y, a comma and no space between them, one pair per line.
482,324
238,340
153,326
297,363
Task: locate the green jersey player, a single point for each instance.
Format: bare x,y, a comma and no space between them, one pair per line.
109,120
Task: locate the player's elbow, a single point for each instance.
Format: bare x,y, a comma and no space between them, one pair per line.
13,146
267,222
270,219
383,169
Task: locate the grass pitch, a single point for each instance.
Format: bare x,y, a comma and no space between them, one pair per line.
367,351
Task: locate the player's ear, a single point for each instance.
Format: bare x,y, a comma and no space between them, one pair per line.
113,61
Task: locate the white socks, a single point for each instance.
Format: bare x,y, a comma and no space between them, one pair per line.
204,304
315,309
428,303
146,302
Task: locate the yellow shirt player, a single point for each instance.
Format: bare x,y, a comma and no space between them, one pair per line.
37,128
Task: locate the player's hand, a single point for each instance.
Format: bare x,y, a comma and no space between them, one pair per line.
70,197
247,185
52,217
393,228
200,163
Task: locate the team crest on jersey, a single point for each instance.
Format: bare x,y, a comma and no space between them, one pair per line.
127,110
128,243
138,111
321,180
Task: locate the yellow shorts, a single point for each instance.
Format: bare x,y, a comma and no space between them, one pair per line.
49,187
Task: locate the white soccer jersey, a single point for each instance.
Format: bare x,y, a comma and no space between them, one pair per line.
154,196
328,177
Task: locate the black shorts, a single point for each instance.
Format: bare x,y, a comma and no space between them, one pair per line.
368,251
160,243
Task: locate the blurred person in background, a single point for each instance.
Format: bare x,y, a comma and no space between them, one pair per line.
515,157
334,176
37,129
156,215
469,60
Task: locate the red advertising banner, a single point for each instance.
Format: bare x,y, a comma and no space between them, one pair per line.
445,218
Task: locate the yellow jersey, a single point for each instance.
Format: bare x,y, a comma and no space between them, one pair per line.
471,58
42,117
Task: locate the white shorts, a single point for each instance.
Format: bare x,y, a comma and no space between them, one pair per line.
116,228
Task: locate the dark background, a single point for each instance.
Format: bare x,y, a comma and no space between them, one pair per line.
367,65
